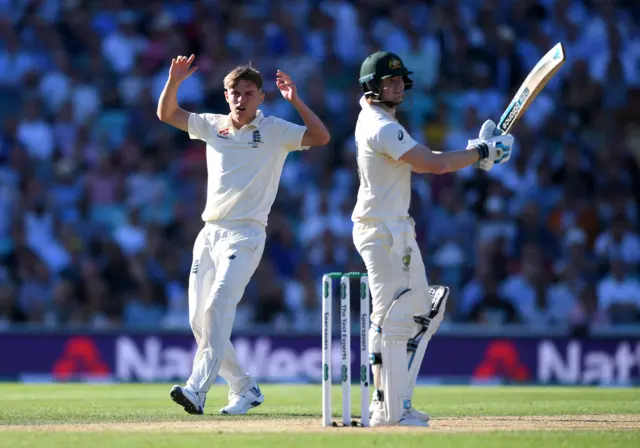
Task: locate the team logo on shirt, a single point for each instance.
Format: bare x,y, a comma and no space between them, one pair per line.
223,133
256,139
400,135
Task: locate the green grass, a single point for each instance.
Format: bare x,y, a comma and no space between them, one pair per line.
79,404
550,439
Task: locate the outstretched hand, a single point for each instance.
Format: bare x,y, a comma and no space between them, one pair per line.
286,86
181,68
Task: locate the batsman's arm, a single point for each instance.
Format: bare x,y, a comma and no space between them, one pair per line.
423,160
317,133
168,110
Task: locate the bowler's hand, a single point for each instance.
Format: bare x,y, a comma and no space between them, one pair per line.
181,68
286,86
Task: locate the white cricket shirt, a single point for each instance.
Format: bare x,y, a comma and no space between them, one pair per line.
244,165
385,181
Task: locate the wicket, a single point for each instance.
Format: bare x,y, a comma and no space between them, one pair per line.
345,346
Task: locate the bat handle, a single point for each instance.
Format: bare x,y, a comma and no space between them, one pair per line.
498,132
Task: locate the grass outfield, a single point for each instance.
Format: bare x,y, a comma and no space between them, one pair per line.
143,415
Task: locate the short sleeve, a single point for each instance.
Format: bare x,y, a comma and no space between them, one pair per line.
202,126
289,135
393,139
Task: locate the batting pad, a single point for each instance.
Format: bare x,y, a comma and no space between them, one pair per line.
397,329
438,296
394,378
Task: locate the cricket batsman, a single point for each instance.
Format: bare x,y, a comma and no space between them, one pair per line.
245,154
406,312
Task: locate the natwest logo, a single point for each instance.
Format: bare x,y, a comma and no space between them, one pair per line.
502,360
262,360
575,365
80,358
150,360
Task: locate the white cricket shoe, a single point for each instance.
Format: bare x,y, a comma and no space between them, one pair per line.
241,402
192,402
377,417
420,415
376,413
377,406
409,419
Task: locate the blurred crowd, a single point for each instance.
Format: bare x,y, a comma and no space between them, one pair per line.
100,202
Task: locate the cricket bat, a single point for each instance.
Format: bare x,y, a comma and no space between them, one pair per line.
531,87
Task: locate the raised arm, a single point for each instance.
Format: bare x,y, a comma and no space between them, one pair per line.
168,110
317,133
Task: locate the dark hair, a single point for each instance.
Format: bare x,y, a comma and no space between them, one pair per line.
243,72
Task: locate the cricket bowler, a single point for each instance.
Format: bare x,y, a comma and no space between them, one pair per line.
245,154
406,312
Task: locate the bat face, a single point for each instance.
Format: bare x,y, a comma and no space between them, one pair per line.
532,86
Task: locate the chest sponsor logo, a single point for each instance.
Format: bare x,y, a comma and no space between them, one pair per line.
223,133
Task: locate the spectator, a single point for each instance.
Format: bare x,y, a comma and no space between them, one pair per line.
270,306
35,133
497,225
618,242
526,289
283,249
300,297
122,46
55,85
35,294
64,307
531,231
15,61
574,173
141,309
564,298
575,252
10,312
100,202
493,308
131,237
474,290
619,294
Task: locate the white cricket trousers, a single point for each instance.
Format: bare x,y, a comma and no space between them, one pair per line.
396,271
394,264
225,256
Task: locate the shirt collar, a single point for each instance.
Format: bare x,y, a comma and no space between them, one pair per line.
375,109
254,124
258,120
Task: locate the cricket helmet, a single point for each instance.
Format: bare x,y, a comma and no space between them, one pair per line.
382,65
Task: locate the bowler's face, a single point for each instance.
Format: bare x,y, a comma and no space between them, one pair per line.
244,99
